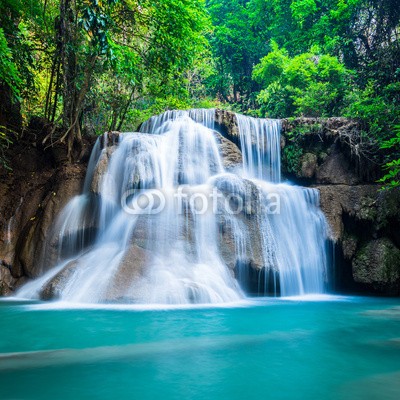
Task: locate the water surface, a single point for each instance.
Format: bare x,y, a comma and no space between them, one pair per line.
319,348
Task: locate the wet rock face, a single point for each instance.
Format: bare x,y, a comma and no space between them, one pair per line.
365,224
230,152
52,290
7,282
309,164
357,202
247,220
340,154
28,260
31,195
227,125
377,266
131,268
101,169
336,169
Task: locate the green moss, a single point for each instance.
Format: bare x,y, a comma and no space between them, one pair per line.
301,130
368,209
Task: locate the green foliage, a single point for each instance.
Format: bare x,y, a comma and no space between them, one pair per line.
291,157
391,179
16,45
158,57
310,84
377,110
237,44
9,74
109,64
302,10
98,58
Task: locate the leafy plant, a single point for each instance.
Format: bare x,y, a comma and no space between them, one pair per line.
9,73
310,84
391,179
291,157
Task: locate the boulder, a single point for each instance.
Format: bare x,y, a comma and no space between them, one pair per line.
101,169
377,266
358,202
366,205
349,246
130,269
335,169
226,123
230,152
7,282
308,165
52,290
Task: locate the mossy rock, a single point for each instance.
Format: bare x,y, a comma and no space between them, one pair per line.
308,165
377,266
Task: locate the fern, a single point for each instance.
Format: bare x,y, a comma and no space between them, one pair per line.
391,179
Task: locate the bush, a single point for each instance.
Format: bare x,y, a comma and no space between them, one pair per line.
310,84
391,179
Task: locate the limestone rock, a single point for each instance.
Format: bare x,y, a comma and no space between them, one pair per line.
340,200
67,183
247,219
377,265
7,282
336,170
308,165
332,127
349,246
52,289
343,155
227,124
101,169
230,153
131,269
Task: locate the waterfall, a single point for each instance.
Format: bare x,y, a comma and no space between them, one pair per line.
160,220
9,227
294,242
11,223
260,142
294,239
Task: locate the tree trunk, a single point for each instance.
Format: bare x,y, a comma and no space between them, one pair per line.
71,95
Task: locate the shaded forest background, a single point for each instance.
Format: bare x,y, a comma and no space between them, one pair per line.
86,66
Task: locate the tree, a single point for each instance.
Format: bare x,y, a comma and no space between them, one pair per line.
391,179
141,42
310,84
237,46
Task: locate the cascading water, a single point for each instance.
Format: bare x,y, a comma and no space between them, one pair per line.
260,141
293,239
161,221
